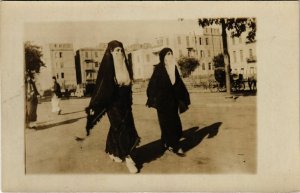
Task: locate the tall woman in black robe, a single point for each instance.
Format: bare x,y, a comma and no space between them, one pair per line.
168,95
113,95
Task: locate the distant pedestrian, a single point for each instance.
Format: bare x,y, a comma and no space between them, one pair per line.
56,96
31,101
168,95
113,95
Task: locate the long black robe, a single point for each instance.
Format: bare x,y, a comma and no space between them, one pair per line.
115,100
168,99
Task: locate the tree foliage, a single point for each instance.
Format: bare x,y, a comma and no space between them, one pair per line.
33,61
218,62
235,25
187,65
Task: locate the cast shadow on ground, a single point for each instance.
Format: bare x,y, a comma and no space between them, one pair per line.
72,112
192,137
245,93
42,127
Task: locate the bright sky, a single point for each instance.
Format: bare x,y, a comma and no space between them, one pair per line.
90,34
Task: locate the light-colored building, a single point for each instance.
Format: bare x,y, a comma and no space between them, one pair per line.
203,47
63,64
87,64
142,58
242,55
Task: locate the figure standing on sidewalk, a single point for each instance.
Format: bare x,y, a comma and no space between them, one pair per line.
113,95
167,94
31,101
56,96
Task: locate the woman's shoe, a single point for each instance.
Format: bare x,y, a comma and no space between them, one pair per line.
115,159
180,152
131,165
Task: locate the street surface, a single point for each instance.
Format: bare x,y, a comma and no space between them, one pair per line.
219,138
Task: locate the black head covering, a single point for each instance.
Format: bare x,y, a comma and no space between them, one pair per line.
163,53
103,94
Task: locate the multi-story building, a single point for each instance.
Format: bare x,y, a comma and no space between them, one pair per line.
142,61
63,64
87,64
203,47
242,55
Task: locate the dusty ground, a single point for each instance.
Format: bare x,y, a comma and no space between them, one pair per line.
220,137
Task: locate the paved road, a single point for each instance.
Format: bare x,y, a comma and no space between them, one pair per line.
220,137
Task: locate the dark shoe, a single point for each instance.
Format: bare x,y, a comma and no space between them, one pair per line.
59,112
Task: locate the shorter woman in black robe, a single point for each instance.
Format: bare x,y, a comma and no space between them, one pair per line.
168,95
113,95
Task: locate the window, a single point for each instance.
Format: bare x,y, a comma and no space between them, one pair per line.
200,41
209,66
167,40
187,41
241,55
206,40
179,40
208,53
201,53
61,64
62,75
57,76
234,56
233,41
203,66
86,54
250,53
242,70
96,54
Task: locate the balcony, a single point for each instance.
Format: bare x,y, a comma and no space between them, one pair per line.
251,59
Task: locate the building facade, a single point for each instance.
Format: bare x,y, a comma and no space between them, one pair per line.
203,47
242,55
87,64
143,61
63,64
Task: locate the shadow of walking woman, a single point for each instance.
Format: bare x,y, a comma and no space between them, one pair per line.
192,137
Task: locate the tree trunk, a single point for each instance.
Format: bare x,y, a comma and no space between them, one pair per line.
226,57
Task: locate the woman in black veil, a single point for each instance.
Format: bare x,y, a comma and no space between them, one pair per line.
168,95
113,95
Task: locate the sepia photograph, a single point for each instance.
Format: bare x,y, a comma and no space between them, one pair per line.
150,96
165,96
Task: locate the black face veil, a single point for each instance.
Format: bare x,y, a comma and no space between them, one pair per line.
103,94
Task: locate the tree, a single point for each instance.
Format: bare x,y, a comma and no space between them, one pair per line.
218,61
220,76
236,26
187,65
33,61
